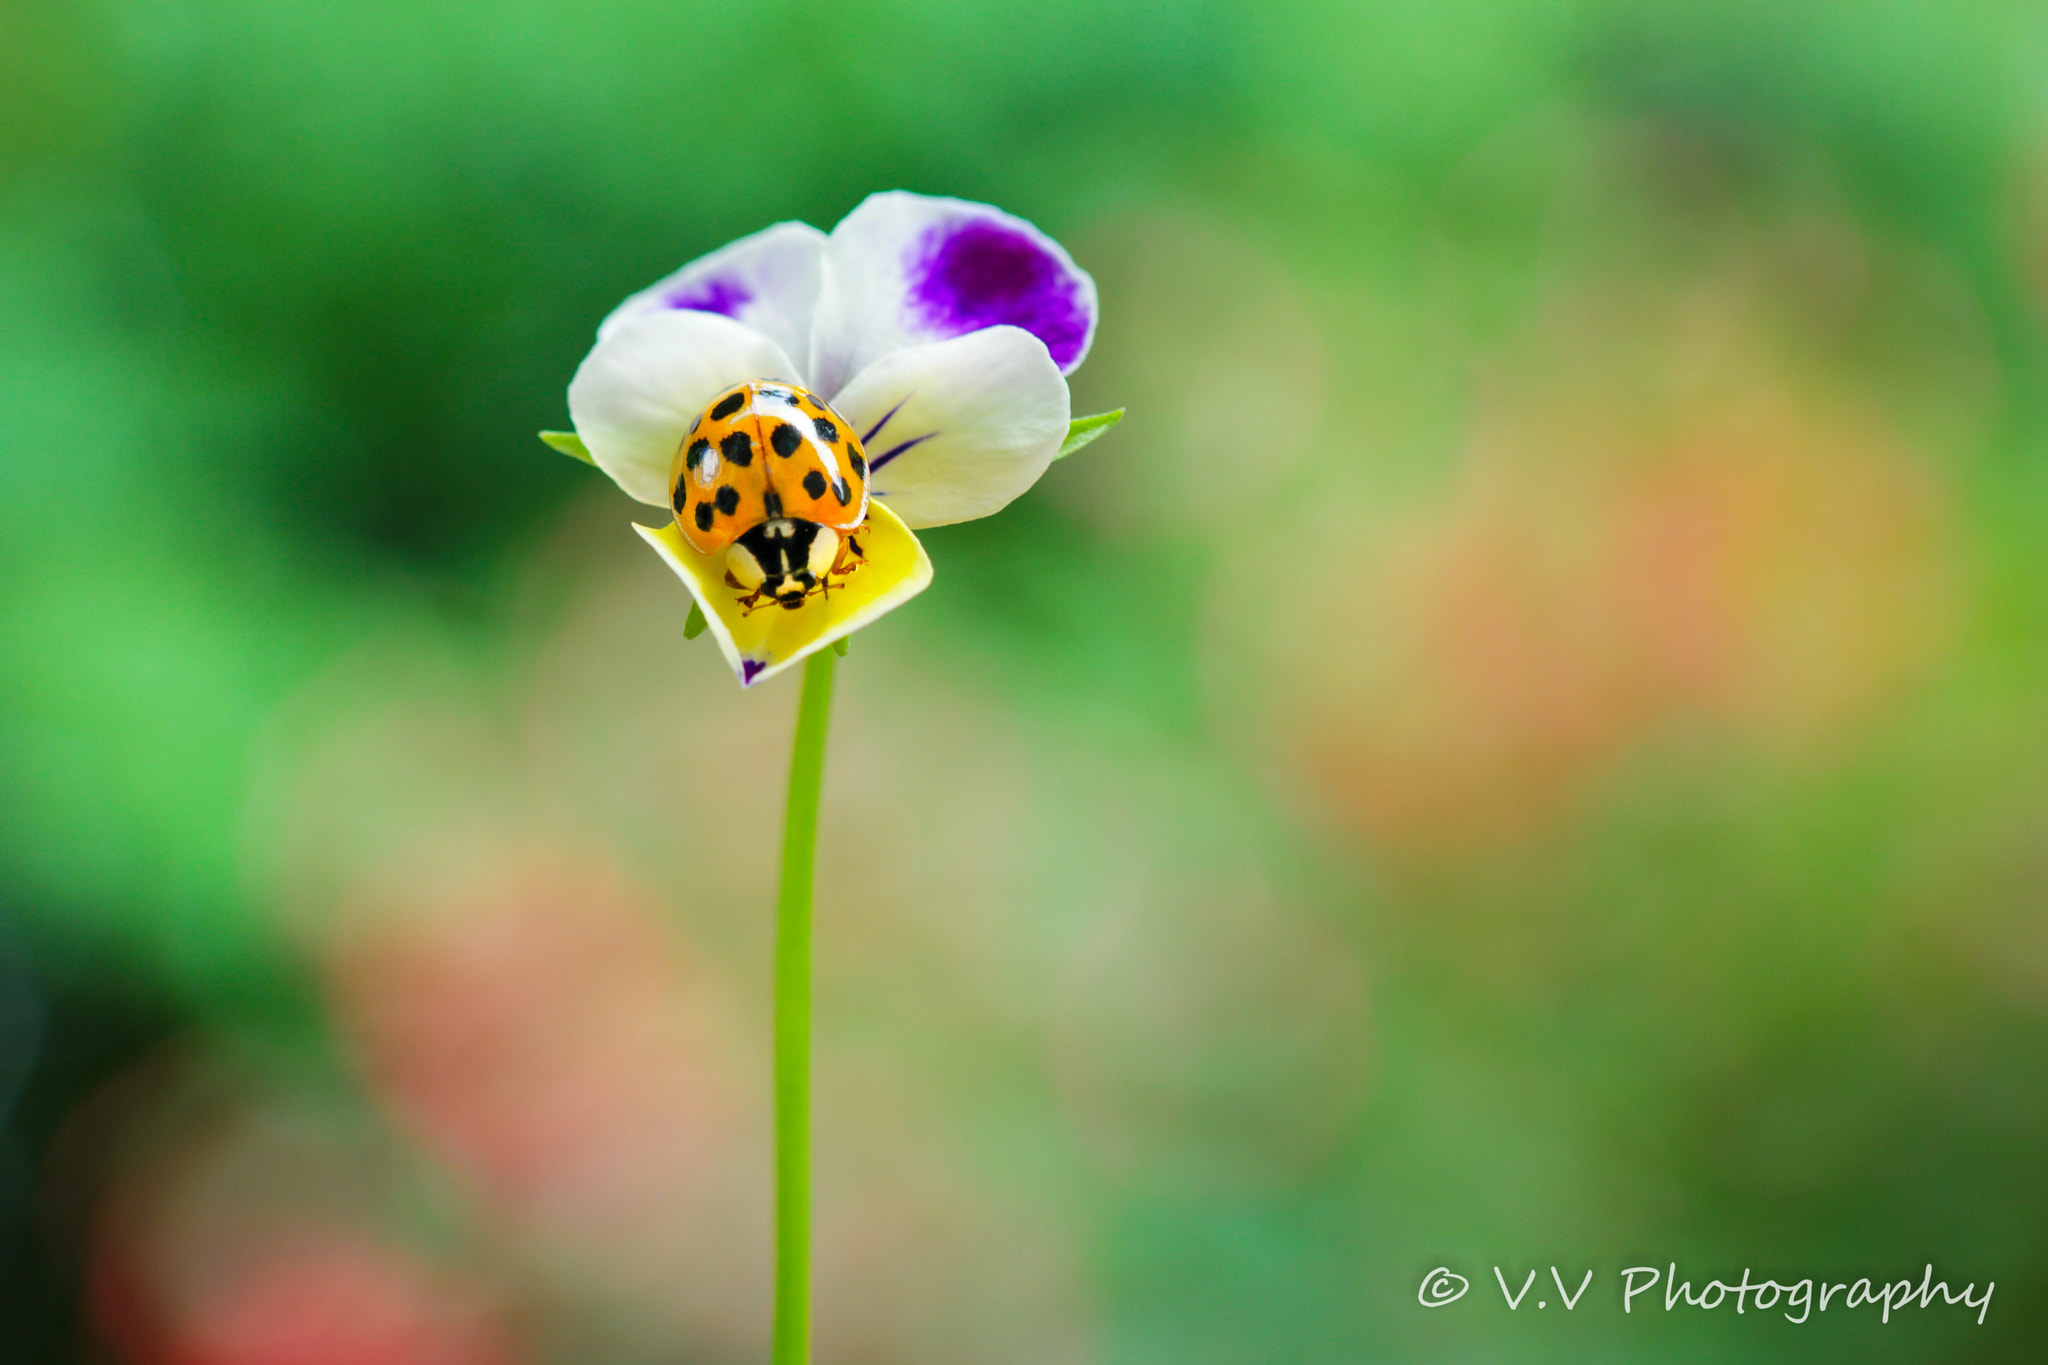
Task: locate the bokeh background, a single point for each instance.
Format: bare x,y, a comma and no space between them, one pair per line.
1634,849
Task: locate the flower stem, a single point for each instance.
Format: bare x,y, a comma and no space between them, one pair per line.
793,1017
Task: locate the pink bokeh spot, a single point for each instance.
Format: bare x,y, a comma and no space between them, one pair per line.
543,1033
341,1303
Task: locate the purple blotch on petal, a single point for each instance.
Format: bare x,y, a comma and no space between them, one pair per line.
713,296
749,670
966,276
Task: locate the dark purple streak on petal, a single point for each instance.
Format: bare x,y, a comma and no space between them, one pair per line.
713,296
885,419
749,670
894,451
975,274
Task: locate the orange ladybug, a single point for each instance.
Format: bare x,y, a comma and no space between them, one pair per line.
779,482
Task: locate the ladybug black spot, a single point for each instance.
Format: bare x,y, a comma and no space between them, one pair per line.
842,492
787,440
737,447
703,516
827,432
860,464
694,456
729,405
728,499
814,484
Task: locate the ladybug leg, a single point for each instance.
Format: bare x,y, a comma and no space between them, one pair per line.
751,600
851,556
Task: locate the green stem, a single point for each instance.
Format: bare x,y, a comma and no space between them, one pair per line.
793,1017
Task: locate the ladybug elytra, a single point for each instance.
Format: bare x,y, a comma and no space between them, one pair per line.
776,480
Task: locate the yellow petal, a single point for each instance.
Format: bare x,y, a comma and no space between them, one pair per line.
762,642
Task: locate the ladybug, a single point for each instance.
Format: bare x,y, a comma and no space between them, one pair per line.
779,482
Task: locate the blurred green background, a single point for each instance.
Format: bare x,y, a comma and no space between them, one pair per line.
1639,853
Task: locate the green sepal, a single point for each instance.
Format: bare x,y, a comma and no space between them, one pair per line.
1082,430
696,625
570,444
839,645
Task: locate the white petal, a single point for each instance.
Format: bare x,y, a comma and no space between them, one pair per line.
768,280
903,269
956,429
638,392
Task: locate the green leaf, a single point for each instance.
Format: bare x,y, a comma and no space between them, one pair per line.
1082,430
839,645
696,625
569,443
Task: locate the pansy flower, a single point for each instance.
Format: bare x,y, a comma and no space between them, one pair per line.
906,370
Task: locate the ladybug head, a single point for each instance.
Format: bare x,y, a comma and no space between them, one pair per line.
784,558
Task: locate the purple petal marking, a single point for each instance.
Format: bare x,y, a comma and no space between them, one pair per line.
964,276
885,419
896,450
749,670
713,296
